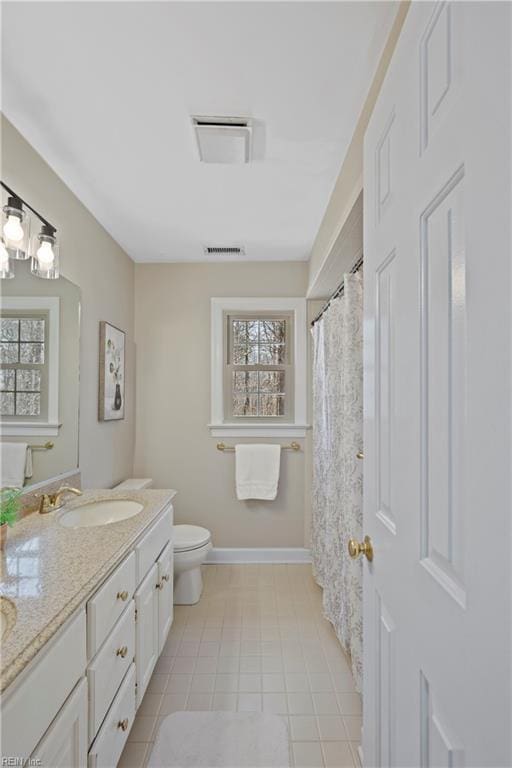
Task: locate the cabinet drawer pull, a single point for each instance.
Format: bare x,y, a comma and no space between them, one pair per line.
123,724
166,577
122,595
122,651
158,585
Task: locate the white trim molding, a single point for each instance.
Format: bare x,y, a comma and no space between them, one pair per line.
218,426
226,555
258,430
29,428
50,427
344,249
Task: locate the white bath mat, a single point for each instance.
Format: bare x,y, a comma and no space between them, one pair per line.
221,740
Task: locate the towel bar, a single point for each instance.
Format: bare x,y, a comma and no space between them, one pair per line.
292,447
46,447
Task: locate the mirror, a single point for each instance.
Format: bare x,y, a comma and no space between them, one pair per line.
39,376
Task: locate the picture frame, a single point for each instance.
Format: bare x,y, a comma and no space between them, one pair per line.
111,397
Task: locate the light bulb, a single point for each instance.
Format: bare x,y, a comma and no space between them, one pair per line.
4,256
13,229
45,254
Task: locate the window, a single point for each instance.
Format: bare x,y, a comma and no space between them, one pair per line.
23,374
259,369
29,365
258,356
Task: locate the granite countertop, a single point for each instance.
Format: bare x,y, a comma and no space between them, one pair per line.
48,570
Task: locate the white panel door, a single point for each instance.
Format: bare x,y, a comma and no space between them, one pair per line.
437,647
64,745
165,565
146,631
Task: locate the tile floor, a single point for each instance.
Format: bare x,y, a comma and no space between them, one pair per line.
257,641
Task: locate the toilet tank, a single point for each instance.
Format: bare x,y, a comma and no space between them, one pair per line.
134,484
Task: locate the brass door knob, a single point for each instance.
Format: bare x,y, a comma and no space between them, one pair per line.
359,455
122,595
356,548
123,724
122,651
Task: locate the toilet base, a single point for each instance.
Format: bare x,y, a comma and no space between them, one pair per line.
188,586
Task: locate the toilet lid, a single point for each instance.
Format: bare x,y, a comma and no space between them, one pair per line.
190,537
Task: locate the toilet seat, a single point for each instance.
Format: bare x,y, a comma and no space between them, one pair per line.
190,537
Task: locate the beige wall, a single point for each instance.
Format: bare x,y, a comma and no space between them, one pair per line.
349,184
174,447
105,274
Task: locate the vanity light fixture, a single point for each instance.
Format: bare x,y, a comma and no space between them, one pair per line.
14,215
45,254
16,228
42,249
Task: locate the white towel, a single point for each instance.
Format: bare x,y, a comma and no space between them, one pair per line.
16,464
257,471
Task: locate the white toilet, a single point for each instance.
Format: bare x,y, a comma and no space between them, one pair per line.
191,546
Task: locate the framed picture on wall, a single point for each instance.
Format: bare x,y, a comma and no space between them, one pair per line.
111,389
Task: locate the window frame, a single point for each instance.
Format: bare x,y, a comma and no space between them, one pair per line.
49,425
42,368
294,422
287,366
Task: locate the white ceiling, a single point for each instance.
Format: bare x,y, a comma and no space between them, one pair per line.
104,91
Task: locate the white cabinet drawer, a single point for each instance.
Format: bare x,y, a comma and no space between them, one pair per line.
109,667
112,736
107,605
150,546
27,712
65,742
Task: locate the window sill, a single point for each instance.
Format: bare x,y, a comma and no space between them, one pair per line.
29,429
258,430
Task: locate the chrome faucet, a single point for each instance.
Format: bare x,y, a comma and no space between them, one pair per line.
52,501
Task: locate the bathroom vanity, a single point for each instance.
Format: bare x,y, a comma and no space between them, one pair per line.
94,606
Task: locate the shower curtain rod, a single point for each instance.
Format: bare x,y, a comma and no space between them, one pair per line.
338,292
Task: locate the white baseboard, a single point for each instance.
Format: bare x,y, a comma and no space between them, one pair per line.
259,555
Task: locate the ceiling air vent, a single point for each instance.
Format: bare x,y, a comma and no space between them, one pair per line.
223,139
224,250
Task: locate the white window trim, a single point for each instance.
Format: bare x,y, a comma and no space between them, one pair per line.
218,426
50,427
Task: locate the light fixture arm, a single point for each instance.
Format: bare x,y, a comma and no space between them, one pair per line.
36,213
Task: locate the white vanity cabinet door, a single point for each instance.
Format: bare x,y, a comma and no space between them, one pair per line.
28,710
165,594
65,742
146,630
152,543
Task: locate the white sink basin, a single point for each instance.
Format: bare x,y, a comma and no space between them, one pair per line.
100,513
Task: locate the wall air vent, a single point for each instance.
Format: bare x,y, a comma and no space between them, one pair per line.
223,139
224,250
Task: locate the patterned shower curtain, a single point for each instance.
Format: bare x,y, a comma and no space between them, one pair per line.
337,473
